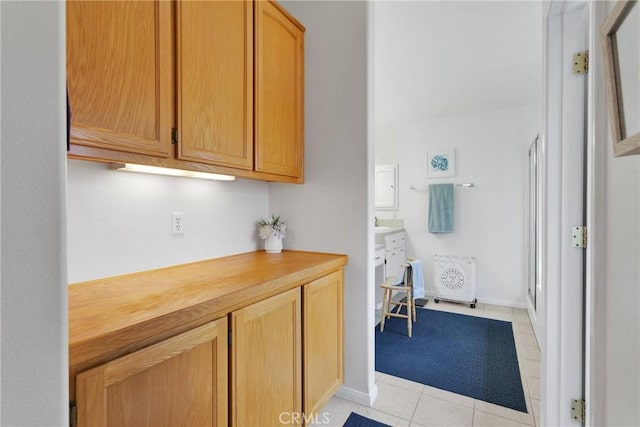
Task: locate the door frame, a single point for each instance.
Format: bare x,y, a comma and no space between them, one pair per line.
597,133
564,154
535,307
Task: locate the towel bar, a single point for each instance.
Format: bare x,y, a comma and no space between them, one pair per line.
468,184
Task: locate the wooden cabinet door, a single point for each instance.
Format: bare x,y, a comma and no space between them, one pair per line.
120,75
266,362
181,381
214,51
323,341
279,106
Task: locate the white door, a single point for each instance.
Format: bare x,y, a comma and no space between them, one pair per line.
563,157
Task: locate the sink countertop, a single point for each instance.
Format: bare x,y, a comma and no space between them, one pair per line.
390,230
388,226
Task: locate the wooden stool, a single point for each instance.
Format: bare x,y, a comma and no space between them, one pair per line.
389,288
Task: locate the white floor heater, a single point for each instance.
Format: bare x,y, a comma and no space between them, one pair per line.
455,279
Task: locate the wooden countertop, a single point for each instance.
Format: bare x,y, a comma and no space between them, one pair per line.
114,316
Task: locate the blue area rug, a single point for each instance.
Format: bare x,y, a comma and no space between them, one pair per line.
356,420
467,355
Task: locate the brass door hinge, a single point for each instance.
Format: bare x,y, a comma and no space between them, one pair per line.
73,414
579,237
578,410
581,62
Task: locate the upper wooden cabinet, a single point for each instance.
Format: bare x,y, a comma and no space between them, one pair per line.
227,75
279,105
119,75
215,82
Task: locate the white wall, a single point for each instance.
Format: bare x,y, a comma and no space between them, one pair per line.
613,352
622,283
622,324
120,222
33,316
489,220
329,212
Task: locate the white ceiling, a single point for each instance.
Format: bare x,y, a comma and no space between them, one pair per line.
443,58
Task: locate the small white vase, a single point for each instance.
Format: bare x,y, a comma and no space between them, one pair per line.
273,245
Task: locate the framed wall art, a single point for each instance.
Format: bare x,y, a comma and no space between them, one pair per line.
441,164
619,37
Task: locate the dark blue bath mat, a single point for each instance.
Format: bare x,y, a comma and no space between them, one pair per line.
467,355
356,420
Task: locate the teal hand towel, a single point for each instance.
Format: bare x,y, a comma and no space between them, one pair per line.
417,276
441,208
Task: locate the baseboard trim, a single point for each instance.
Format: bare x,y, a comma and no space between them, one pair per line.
358,396
503,303
495,301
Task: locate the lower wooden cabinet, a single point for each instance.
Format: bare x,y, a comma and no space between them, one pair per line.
266,365
272,339
323,341
181,381
273,362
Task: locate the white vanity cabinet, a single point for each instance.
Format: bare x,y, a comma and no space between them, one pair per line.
394,253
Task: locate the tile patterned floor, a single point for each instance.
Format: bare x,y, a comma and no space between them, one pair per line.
405,403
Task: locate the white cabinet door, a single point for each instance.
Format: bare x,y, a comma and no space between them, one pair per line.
394,254
395,258
387,187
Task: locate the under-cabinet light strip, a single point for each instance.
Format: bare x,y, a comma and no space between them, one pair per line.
132,167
